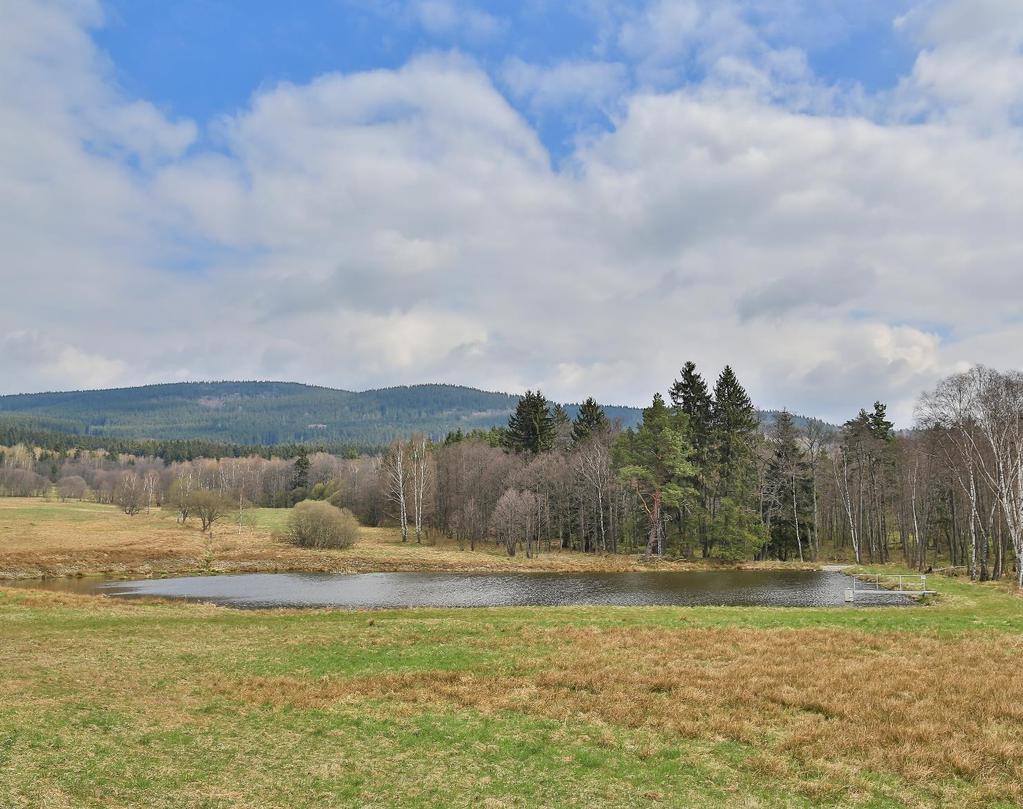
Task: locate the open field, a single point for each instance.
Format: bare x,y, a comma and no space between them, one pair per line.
51,538
108,703
112,703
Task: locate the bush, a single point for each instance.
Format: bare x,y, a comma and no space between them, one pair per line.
208,506
73,487
317,524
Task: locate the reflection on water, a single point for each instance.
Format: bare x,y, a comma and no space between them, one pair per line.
724,588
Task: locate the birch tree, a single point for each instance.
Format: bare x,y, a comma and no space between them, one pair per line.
398,473
982,412
420,461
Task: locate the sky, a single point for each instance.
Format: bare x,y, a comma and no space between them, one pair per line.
577,195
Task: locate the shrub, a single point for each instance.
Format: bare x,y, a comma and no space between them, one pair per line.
208,506
73,487
129,494
317,524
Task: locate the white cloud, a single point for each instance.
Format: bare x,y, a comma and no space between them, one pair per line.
56,365
712,41
970,67
398,226
594,84
449,17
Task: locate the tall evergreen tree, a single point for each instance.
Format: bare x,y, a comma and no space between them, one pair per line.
689,395
300,477
531,428
880,427
560,415
654,460
735,525
589,420
562,426
734,426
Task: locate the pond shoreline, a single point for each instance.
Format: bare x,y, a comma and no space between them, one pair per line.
41,541
326,562
723,587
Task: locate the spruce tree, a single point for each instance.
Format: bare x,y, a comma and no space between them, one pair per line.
560,415
734,425
562,427
735,519
300,477
531,428
589,421
689,395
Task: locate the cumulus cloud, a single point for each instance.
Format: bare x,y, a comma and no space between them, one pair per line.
970,66
594,84
450,17
806,290
57,364
406,225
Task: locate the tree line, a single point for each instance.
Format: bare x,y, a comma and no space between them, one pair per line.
699,476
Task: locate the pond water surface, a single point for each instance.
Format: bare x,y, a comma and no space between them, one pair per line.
725,588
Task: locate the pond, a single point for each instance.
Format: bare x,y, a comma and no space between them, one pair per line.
776,588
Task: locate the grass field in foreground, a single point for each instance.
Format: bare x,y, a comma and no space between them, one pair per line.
114,704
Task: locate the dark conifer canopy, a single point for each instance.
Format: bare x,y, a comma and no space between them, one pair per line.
591,420
531,428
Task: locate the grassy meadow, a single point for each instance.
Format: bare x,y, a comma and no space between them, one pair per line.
51,538
110,703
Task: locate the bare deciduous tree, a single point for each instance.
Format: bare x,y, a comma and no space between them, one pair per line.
397,473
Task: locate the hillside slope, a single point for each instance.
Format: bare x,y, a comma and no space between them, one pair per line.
269,412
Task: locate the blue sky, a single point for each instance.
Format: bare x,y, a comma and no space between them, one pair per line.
578,196
204,58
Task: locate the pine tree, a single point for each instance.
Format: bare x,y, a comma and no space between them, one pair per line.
878,424
589,421
654,461
531,428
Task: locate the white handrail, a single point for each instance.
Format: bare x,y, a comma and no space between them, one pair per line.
901,577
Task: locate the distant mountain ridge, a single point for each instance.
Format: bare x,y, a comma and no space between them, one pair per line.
268,413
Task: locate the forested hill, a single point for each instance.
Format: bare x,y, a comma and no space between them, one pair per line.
254,413
267,413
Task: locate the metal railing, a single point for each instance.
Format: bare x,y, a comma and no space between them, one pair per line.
913,584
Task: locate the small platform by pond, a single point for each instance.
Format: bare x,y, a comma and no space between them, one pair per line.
887,585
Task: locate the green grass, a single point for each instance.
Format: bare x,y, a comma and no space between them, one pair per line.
269,519
167,705
50,511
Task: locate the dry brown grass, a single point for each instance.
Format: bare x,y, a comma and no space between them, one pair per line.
42,538
821,706
834,715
